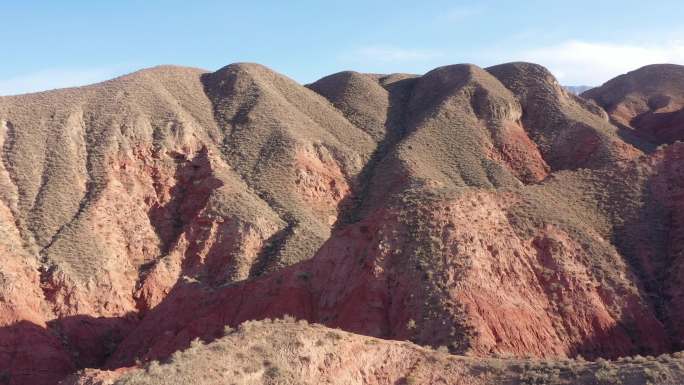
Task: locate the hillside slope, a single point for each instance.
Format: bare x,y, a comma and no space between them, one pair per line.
649,100
284,352
485,210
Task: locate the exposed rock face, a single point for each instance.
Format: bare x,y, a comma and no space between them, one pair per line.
659,253
28,352
485,210
452,273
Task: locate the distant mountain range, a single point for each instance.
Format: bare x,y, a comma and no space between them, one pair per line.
577,89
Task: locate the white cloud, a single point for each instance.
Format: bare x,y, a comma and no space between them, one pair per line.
388,54
55,78
578,62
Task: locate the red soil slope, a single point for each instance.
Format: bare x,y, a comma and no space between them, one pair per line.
285,352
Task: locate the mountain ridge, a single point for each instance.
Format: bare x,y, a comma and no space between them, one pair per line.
485,210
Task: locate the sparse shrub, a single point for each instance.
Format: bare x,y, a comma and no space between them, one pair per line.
272,372
334,335
607,376
153,367
411,380
196,343
228,330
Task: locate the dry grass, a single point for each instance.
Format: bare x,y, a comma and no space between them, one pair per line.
289,352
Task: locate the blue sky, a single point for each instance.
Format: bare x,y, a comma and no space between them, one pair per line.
51,44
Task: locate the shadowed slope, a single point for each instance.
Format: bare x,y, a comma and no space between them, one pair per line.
570,132
649,100
291,146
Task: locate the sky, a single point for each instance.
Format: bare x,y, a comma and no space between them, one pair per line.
55,44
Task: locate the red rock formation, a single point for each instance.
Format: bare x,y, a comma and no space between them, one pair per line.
490,292
29,353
